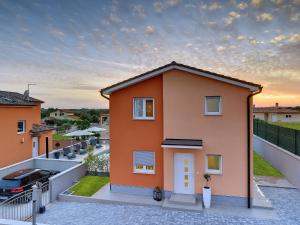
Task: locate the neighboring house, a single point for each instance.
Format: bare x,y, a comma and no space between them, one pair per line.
277,114
171,125
104,120
22,136
64,114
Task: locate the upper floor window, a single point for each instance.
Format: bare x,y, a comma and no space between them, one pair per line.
143,108
21,126
213,105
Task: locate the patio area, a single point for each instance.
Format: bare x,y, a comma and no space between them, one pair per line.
80,157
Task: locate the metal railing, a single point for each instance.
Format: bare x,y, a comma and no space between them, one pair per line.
19,207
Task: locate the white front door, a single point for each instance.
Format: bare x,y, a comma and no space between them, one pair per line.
35,147
184,175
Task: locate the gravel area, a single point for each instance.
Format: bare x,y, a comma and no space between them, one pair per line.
285,201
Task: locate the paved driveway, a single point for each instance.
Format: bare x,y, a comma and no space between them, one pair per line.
285,201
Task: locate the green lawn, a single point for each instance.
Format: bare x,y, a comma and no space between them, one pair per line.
89,185
288,125
59,136
263,168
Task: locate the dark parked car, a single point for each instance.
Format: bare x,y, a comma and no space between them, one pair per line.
22,180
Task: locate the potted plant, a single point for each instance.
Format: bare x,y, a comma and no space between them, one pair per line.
57,153
206,192
157,194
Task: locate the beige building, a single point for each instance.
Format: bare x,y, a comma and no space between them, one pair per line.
64,114
277,114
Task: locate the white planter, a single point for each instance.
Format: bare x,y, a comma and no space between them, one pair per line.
206,197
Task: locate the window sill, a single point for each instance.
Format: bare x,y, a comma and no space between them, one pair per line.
144,172
21,132
214,172
213,114
144,118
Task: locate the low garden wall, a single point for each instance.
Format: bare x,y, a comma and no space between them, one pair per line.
65,179
39,163
29,163
63,143
287,162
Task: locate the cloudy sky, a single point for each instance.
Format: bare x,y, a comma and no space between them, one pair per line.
71,49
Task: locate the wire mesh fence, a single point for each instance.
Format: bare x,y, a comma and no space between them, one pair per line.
286,138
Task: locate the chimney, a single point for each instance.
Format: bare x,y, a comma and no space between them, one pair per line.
276,105
26,95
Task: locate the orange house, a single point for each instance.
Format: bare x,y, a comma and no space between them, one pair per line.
22,136
172,125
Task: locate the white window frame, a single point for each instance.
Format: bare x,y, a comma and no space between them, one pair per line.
144,117
213,113
24,126
211,171
144,170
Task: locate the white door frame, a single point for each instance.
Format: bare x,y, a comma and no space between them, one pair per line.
35,147
184,173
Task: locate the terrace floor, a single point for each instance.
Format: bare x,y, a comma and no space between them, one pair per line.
286,203
96,151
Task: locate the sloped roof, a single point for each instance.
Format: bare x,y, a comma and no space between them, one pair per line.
274,109
17,99
39,128
182,67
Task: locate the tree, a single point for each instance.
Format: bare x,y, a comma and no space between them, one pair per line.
83,124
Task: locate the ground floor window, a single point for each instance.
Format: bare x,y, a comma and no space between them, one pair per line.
213,164
143,162
21,126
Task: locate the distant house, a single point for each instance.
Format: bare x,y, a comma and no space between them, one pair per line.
171,125
22,136
277,114
64,114
104,119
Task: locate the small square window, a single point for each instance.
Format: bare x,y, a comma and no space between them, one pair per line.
213,105
21,126
143,108
143,162
213,164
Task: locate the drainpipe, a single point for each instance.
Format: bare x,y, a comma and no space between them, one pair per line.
104,96
249,145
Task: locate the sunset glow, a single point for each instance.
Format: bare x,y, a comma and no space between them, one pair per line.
71,49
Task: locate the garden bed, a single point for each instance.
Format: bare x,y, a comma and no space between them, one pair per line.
89,185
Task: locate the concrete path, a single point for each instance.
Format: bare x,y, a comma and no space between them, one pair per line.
106,195
259,199
273,182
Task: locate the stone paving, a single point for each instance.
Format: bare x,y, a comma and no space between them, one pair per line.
285,201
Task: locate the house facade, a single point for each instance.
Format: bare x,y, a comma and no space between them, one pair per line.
22,134
277,114
63,114
171,125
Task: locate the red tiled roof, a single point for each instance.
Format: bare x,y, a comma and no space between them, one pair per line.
174,65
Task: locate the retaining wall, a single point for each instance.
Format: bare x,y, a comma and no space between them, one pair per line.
288,163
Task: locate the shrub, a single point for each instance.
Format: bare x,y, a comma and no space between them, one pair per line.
92,161
104,162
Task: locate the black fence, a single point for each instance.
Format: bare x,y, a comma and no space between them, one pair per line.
286,138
